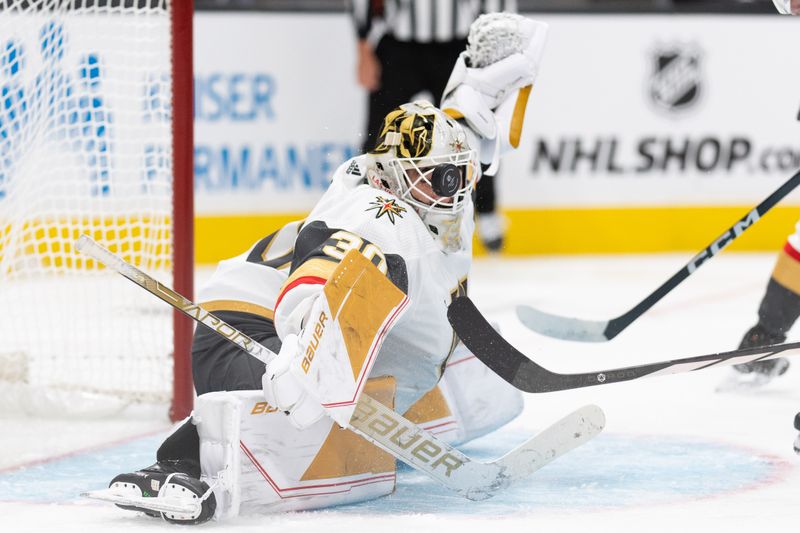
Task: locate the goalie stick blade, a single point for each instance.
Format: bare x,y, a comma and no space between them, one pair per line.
519,370
475,480
562,327
575,429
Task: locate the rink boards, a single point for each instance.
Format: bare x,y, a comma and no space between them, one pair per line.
656,137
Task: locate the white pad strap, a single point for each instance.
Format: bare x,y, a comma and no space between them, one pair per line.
218,419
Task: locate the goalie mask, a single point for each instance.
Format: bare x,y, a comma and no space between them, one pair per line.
422,157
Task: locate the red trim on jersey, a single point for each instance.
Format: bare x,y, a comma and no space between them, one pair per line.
303,280
791,252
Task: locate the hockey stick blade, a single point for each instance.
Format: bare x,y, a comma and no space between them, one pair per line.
519,370
563,327
476,480
576,329
575,429
381,425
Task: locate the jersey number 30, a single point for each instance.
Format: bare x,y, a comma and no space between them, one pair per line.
344,241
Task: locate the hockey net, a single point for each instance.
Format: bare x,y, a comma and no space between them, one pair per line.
86,146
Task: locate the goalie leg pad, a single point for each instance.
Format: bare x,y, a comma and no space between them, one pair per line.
470,401
261,463
481,401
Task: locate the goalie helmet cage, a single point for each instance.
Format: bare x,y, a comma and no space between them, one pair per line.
96,137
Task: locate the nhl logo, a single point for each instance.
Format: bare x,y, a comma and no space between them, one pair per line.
675,83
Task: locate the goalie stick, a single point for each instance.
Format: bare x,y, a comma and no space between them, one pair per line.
384,427
519,370
577,329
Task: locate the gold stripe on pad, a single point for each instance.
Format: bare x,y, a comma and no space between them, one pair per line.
787,272
518,118
430,407
236,305
344,453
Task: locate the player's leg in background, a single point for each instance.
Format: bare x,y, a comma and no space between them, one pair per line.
400,80
779,309
797,439
490,224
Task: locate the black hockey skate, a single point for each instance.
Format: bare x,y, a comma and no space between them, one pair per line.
759,336
756,374
797,440
172,484
490,231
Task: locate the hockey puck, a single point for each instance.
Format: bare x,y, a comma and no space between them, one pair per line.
445,180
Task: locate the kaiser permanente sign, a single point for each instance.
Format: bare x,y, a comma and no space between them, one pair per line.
644,133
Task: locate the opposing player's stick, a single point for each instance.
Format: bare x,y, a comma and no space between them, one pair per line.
577,329
385,428
521,371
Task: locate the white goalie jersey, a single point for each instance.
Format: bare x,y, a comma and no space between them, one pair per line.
420,369
281,274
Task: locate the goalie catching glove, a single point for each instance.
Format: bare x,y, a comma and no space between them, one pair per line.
324,368
491,81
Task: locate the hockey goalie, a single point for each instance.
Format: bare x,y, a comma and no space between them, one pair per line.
270,438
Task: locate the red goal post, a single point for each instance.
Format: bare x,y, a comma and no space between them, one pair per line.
96,137
183,200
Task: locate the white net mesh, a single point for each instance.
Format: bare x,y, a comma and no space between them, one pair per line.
85,147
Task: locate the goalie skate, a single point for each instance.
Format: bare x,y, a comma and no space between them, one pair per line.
157,491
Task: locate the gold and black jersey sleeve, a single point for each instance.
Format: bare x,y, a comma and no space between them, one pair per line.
276,249
318,249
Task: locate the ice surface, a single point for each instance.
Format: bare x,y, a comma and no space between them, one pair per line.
675,454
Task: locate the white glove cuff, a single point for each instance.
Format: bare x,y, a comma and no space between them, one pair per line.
496,81
465,102
784,6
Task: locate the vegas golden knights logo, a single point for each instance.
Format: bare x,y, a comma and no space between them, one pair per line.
416,133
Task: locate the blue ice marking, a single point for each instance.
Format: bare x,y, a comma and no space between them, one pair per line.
66,478
612,471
